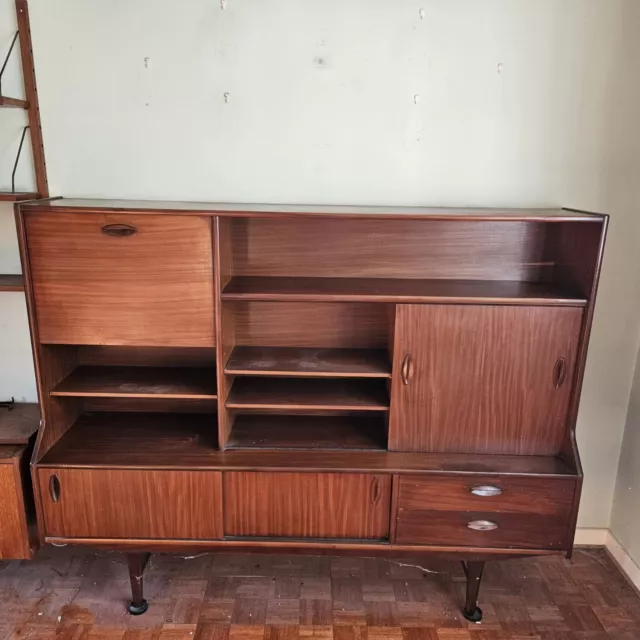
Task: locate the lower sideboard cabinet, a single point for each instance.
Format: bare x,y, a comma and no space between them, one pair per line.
332,380
125,503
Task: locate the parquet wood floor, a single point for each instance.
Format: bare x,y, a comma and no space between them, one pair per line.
75,594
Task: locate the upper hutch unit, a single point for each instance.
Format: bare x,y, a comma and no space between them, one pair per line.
322,379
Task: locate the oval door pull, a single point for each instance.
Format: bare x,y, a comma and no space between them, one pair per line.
375,491
406,371
54,487
486,491
559,372
119,230
482,525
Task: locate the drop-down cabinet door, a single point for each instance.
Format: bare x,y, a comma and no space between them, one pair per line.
482,379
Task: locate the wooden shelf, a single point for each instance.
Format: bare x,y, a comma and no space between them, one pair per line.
13,103
11,282
8,196
19,424
311,363
187,383
186,441
308,432
399,290
301,394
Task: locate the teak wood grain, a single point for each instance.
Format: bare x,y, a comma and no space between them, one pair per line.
470,292
186,441
11,282
301,393
307,505
15,503
257,431
432,249
19,424
331,325
311,363
186,383
450,528
544,496
127,504
153,287
485,379
170,207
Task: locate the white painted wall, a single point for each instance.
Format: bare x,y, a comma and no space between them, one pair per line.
525,102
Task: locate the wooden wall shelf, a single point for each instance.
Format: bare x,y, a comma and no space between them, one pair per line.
312,363
11,282
188,383
8,196
395,290
304,394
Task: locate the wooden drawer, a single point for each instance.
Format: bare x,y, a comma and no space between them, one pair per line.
119,503
153,287
452,529
526,512
505,494
307,505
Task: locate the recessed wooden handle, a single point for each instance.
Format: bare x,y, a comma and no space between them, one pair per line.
559,372
54,487
119,230
482,525
406,371
375,490
486,491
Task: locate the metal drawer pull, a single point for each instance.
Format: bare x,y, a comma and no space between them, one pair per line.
482,525
486,491
119,230
54,487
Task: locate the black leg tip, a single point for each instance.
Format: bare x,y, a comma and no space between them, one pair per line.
474,615
138,609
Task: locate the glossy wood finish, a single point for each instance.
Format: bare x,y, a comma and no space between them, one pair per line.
308,432
18,425
16,504
306,505
544,496
331,325
293,393
511,408
8,196
11,282
184,441
229,210
127,504
92,288
394,249
187,383
451,528
396,290
311,363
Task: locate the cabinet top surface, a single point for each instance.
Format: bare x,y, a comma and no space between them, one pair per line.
287,210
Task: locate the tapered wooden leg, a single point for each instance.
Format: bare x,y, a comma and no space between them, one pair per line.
473,571
137,562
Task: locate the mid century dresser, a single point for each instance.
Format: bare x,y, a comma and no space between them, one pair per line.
333,380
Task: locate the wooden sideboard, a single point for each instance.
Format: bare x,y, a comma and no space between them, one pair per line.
338,380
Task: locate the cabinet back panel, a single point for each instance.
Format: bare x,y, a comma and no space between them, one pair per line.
305,324
390,249
146,356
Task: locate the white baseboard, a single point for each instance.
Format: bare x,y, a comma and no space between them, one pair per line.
604,538
625,562
591,537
